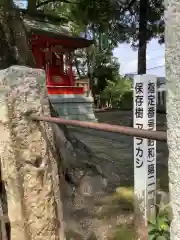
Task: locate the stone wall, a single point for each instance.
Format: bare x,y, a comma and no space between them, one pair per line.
74,107
28,161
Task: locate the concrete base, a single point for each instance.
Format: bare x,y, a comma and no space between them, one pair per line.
74,107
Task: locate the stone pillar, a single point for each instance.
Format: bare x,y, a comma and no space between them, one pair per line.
29,167
172,36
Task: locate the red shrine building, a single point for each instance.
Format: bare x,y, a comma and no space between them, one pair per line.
53,48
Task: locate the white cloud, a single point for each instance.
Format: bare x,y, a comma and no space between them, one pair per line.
160,61
129,67
127,58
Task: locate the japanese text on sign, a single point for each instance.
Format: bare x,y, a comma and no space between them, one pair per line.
151,158
145,149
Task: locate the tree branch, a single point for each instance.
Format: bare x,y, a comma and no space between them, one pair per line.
131,3
51,1
41,16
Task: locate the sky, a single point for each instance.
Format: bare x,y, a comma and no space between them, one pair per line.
21,3
128,58
155,58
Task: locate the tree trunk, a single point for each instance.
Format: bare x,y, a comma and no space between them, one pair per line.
77,68
172,16
142,37
14,47
31,5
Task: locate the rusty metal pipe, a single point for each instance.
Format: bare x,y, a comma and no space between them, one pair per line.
129,131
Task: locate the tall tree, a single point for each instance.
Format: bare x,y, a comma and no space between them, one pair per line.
145,21
137,22
134,20
142,37
13,42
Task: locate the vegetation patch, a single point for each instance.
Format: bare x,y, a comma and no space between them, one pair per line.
125,232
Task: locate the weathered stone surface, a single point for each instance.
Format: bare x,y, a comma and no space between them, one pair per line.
27,161
74,107
172,16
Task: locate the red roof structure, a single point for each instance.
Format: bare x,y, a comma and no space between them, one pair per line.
53,48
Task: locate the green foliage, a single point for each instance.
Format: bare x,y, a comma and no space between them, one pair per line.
159,228
116,21
124,232
104,67
115,90
155,22
107,23
127,101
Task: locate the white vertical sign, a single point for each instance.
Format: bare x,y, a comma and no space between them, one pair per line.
144,114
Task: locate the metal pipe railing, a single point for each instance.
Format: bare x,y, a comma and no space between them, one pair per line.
129,131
